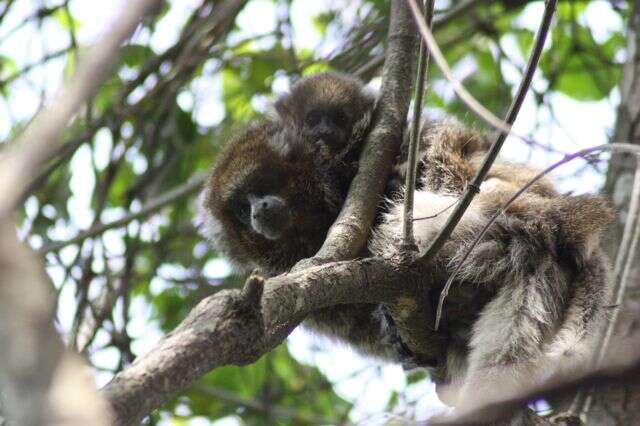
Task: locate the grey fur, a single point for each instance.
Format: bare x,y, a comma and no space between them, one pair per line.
531,297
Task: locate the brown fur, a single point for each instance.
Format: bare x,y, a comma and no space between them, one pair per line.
531,296
332,109
314,181
263,160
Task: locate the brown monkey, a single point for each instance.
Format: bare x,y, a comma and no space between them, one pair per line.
269,202
277,187
531,298
271,198
331,108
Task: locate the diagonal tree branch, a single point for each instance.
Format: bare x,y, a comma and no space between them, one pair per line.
30,349
238,327
347,236
24,156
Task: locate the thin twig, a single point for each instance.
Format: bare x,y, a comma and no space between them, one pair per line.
409,247
433,216
474,187
457,86
169,197
617,147
22,159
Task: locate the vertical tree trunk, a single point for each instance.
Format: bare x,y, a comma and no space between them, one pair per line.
621,405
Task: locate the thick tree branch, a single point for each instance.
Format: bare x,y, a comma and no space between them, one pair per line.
238,327
348,234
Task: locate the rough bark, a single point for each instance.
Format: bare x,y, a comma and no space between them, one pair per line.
620,405
348,234
238,327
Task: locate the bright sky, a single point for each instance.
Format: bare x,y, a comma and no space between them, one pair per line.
578,125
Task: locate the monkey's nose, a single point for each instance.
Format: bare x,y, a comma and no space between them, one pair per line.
267,207
269,216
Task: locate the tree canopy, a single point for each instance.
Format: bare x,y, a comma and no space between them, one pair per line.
113,212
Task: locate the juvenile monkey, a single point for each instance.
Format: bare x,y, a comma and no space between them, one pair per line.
330,108
531,298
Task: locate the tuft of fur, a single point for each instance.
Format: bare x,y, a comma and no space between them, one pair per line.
530,298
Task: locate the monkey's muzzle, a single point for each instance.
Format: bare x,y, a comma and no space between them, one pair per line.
270,216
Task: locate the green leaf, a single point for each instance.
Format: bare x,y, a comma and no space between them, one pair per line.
322,21
108,93
524,38
236,97
136,54
65,20
8,67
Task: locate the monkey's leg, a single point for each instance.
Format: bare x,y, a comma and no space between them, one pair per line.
359,325
532,291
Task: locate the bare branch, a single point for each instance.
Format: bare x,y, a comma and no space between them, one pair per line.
409,247
163,200
227,328
347,236
23,158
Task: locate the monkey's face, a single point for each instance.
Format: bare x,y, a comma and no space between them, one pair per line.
271,199
331,124
328,108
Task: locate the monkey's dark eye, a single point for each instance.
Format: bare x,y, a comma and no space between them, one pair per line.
313,118
340,119
242,211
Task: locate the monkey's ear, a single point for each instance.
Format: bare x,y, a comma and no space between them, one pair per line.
282,106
